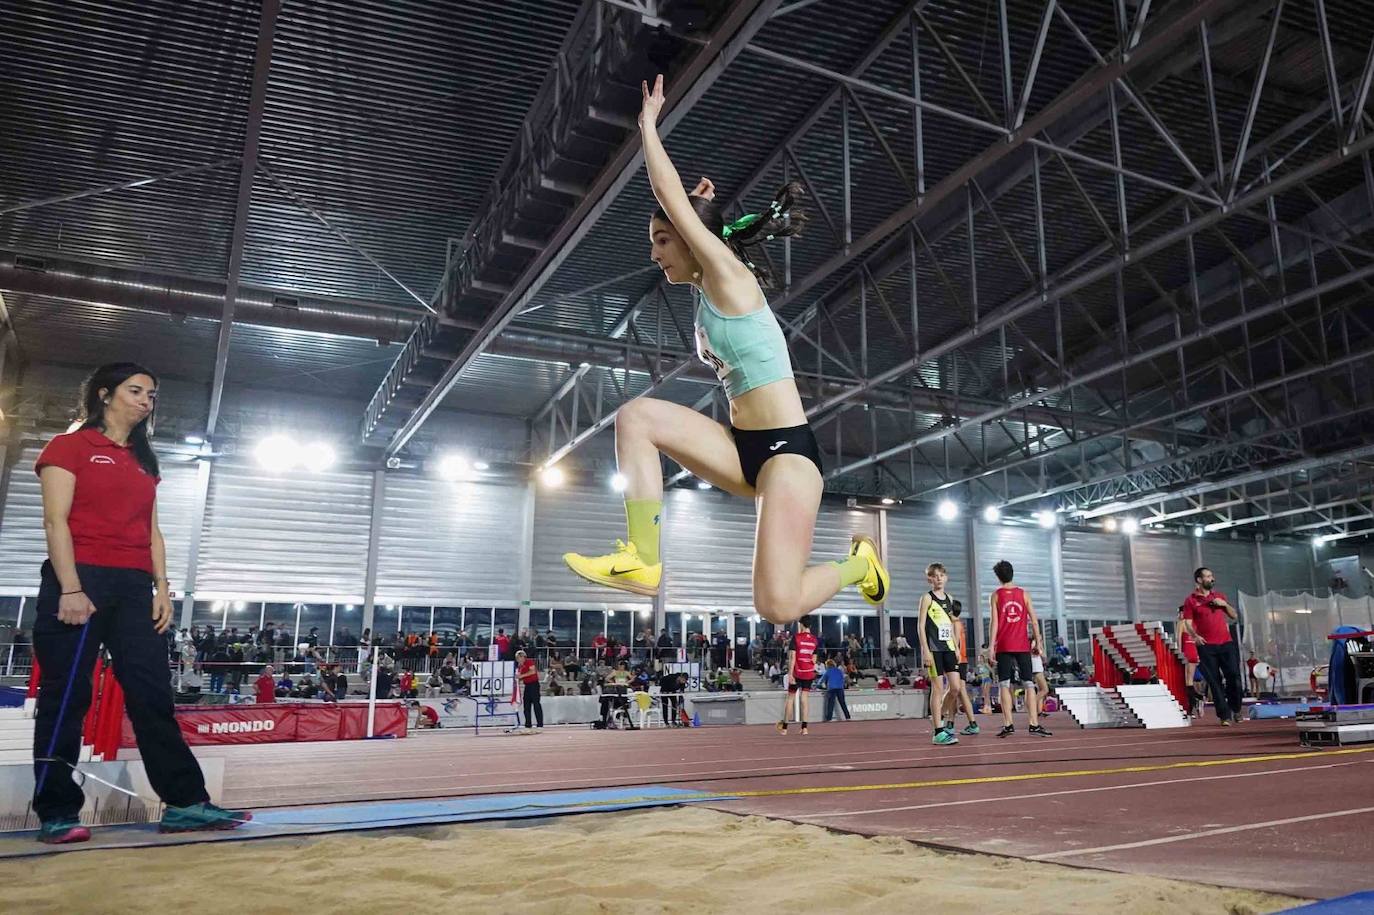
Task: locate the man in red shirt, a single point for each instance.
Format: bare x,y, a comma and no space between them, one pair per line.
801,673
527,672
1207,617
502,643
1014,628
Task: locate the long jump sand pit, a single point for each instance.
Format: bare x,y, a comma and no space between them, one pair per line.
664,860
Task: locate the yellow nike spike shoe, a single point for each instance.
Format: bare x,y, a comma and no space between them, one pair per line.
622,570
876,583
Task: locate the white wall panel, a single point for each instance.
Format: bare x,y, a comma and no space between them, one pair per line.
1233,563
1288,566
710,553
445,542
1163,575
22,544
1028,551
1094,576
915,539
292,536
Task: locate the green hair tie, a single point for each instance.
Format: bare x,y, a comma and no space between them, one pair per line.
739,225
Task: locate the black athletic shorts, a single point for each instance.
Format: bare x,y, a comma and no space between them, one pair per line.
800,683
756,446
1014,662
963,671
944,661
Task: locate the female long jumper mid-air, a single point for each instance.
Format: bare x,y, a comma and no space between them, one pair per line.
768,452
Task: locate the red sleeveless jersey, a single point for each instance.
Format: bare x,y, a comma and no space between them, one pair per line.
1013,633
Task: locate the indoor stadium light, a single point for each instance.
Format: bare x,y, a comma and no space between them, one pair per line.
480,465
317,457
454,467
194,440
1129,525
1047,519
888,500
992,514
702,484
276,453
947,510
1197,531
1318,540
552,476
619,482
1109,525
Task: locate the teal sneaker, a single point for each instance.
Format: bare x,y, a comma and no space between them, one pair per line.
970,729
944,737
201,818
63,832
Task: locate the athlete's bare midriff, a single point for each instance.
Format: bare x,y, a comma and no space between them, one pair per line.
773,406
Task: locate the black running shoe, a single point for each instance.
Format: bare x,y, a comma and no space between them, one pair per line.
1007,731
1039,730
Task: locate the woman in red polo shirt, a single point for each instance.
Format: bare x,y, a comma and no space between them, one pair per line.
105,582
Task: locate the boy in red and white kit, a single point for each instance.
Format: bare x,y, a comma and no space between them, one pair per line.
1014,628
801,672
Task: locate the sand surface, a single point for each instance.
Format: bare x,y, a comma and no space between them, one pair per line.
674,860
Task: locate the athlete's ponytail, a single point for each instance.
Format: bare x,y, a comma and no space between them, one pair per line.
780,219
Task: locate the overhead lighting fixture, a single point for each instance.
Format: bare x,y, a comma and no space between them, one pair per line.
276,454
1047,519
1110,524
887,500
552,476
1129,525
619,482
702,484
318,457
1197,531
992,514
194,440
454,467
947,510
844,617
1318,540
480,465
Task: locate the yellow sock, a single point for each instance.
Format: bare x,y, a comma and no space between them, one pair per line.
642,521
852,570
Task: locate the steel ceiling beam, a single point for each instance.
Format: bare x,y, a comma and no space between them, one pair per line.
262,66
742,21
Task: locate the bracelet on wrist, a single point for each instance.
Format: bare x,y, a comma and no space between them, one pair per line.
77,591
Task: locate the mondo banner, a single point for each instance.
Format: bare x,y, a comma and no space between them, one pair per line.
280,723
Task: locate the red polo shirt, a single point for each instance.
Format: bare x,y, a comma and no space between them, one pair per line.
805,647
111,518
1211,623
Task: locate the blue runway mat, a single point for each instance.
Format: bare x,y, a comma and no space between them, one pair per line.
1355,904
302,821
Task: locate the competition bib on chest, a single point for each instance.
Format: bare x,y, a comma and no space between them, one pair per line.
708,356
946,631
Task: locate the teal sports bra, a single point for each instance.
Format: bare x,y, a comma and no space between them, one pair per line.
746,351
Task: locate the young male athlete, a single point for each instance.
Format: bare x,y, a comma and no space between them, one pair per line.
939,650
801,673
1013,622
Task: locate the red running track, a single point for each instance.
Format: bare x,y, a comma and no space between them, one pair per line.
1193,803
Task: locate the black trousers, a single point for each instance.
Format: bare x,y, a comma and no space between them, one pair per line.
123,623
530,691
1222,663
671,704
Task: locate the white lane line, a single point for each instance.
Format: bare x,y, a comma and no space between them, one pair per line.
1023,797
1226,830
